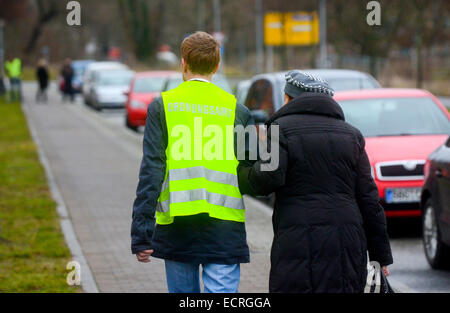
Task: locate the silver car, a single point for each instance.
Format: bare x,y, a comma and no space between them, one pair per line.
90,73
109,88
266,91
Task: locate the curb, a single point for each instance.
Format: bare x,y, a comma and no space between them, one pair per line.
87,279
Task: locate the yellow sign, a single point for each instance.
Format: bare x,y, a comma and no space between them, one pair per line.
293,28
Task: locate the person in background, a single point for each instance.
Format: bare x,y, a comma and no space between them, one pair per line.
326,215
14,71
67,74
42,77
166,57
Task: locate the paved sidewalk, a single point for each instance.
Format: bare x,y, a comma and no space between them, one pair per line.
95,165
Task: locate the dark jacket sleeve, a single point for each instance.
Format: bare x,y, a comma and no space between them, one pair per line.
151,176
245,119
256,181
372,212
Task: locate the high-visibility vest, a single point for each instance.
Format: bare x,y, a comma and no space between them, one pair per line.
14,68
201,168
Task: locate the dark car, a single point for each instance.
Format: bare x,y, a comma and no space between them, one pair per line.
435,202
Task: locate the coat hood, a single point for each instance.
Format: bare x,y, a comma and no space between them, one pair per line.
310,103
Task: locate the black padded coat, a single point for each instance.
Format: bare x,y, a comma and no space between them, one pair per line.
326,215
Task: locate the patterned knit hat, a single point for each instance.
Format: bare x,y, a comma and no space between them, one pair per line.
298,82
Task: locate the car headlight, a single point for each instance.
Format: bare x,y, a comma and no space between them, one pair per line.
137,104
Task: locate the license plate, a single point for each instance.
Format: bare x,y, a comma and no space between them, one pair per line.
402,195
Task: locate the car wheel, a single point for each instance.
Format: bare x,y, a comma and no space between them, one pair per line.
129,125
436,252
96,105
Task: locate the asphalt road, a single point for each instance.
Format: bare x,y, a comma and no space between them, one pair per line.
410,271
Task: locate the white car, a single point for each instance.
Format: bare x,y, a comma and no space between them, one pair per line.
90,73
109,87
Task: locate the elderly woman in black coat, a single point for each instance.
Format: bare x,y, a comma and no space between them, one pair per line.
326,215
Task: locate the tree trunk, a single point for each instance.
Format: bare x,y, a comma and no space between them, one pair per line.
136,22
419,46
45,15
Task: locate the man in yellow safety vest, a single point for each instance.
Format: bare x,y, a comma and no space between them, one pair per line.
188,179
13,71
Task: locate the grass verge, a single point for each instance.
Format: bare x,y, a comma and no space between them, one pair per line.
33,253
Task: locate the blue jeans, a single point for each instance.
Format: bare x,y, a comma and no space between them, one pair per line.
185,277
15,89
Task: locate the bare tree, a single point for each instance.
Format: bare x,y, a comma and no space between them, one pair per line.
348,28
47,10
135,16
9,11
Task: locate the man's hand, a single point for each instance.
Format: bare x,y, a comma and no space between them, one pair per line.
144,256
386,271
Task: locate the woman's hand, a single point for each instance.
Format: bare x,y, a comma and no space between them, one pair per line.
144,256
386,271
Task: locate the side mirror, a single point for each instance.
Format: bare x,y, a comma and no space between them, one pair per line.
126,93
260,116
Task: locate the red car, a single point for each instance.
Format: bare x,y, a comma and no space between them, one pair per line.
401,127
144,87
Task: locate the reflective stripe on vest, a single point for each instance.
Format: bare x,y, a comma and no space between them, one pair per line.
199,185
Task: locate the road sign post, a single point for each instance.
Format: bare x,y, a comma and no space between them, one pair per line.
323,34
289,29
259,36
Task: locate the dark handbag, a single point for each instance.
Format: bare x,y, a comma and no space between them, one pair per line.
376,280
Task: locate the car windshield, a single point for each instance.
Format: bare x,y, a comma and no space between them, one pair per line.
395,116
115,79
218,80
149,84
351,84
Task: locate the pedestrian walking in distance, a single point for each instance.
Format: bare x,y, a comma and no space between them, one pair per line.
194,200
14,71
42,78
67,73
326,215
